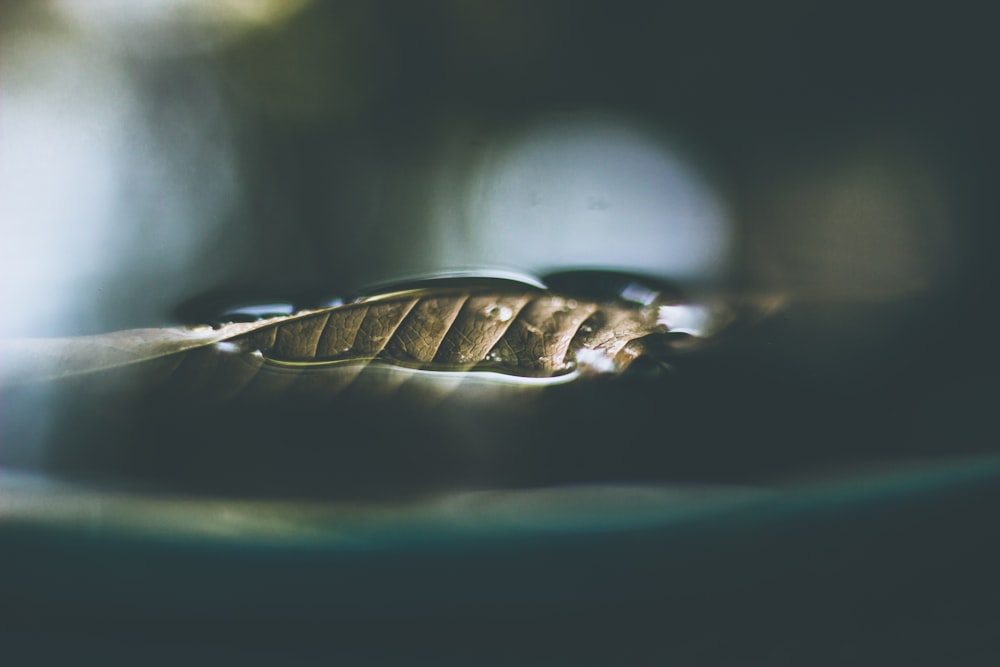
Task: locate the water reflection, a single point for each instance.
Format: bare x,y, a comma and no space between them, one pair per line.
470,515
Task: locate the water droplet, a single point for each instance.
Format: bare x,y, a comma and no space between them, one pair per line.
693,319
227,347
499,313
596,361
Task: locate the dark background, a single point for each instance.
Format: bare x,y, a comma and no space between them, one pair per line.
853,146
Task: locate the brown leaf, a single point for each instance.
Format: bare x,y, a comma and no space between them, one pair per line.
439,335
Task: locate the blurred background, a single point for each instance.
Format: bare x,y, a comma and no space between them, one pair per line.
156,150
840,154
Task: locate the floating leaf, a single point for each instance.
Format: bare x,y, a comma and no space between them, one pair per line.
440,334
